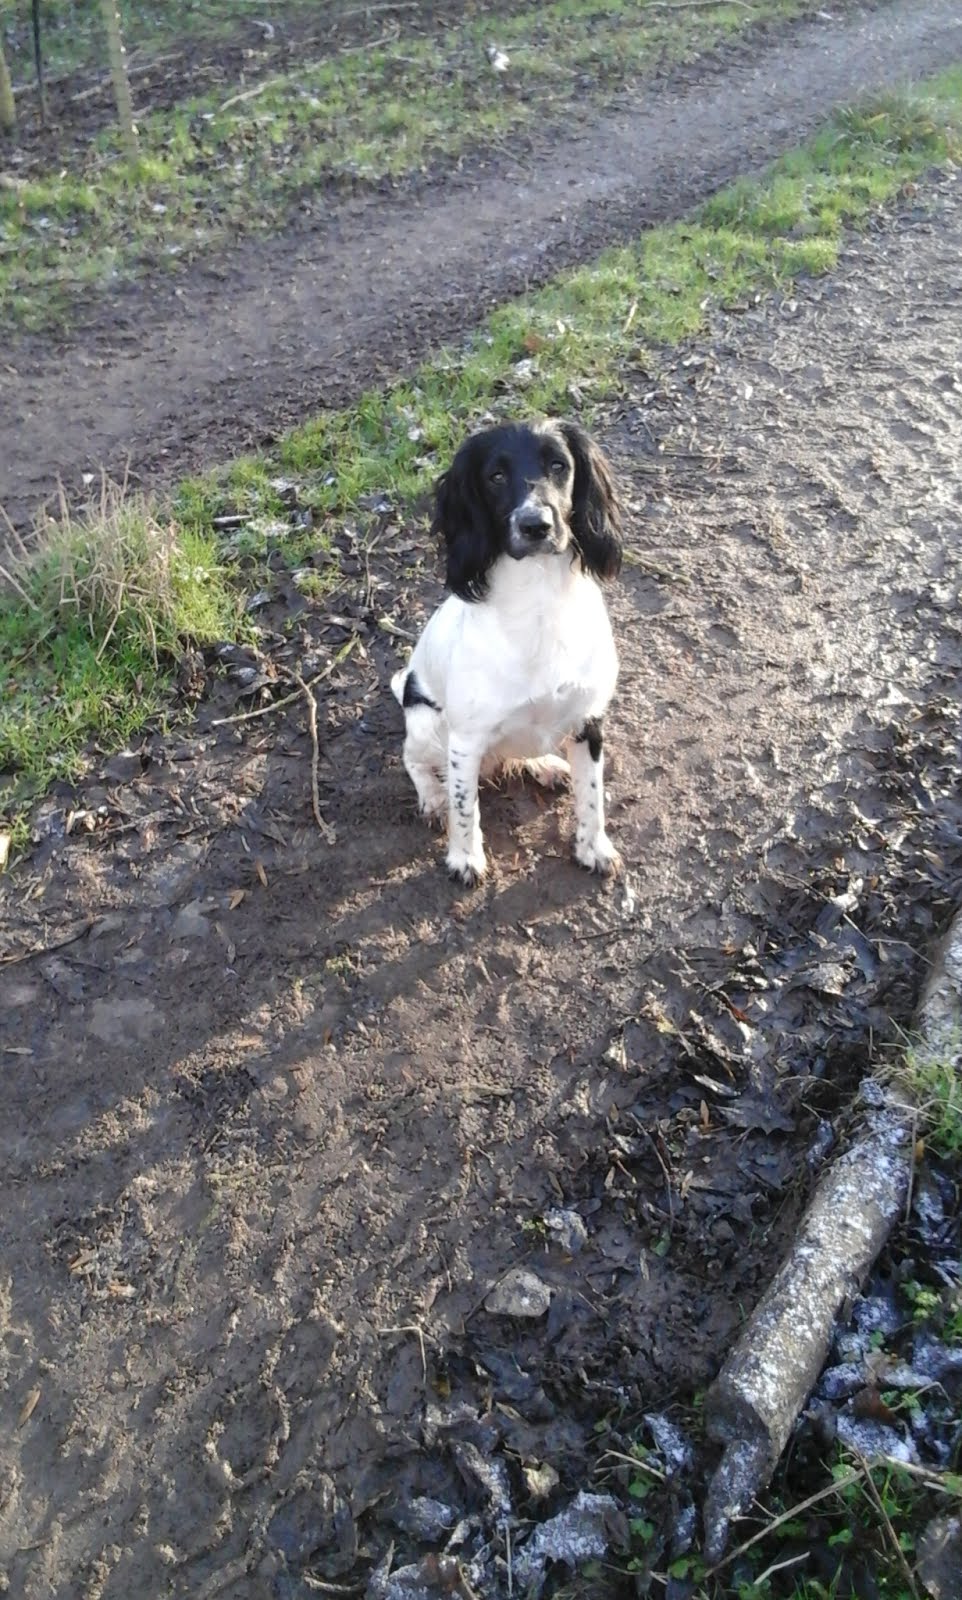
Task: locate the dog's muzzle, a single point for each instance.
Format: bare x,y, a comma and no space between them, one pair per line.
531,529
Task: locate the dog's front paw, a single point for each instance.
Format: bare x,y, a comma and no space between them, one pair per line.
467,867
598,854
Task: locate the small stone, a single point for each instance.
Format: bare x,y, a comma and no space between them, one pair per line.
520,1293
567,1230
940,1558
540,1480
424,1518
190,922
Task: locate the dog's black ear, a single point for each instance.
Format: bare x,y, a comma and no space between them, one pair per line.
463,521
595,512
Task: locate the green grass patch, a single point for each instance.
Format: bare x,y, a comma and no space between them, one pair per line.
565,346
929,1079
220,165
92,620
82,658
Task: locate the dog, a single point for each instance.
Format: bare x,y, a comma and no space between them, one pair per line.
519,661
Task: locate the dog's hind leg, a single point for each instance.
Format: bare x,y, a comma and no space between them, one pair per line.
422,761
550,771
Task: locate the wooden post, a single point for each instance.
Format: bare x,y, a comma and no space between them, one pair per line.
8,111
118,72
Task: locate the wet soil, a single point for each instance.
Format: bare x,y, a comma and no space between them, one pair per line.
280,1111
217,361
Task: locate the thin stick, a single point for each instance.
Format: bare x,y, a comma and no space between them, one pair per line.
308,694
869,1485
694,5
411,1327
278,705
786,1516
15,583
251,94
633,1461
44,949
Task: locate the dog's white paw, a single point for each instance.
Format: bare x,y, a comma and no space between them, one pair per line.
433,806
598,854
550,771
467,867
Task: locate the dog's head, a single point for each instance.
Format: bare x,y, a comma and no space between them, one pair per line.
522,491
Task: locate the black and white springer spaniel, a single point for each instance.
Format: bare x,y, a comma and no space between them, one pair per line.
519,661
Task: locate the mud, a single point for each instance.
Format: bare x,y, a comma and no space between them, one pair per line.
216,362
280,1114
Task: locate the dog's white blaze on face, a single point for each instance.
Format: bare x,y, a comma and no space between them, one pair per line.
520,660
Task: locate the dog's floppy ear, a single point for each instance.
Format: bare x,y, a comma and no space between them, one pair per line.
462,519
595,512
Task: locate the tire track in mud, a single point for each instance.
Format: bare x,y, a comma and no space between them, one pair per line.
169,379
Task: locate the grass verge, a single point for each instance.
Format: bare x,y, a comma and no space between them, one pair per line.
92,621
73,669
218,166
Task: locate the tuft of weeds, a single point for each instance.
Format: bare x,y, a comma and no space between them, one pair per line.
929,1078
93,617
855,1535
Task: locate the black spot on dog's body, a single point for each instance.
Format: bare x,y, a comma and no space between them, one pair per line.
593,736
414,695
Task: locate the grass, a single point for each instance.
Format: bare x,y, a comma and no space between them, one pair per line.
84,660
862,1524
92,621
215,167
929,1078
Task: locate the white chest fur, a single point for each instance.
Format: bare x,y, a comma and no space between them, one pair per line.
519,671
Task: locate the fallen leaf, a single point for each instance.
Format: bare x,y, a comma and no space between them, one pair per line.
28,1408
237,895
262,875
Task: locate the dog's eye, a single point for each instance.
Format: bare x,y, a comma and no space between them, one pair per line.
558,468
497,476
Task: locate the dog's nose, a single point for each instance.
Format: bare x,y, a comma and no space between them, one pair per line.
535,522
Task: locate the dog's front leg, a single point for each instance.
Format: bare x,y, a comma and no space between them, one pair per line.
465,844
593,848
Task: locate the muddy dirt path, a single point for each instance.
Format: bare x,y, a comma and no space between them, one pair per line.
276,1109
175,377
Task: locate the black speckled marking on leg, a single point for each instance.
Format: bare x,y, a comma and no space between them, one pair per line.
593,736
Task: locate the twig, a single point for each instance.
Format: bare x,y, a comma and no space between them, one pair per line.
667,1176
869,1485
308,694
634,1461
45,949
694,5
288,699
410,1327
251,94
779,1566
102,86
803,1505
395,5
8,577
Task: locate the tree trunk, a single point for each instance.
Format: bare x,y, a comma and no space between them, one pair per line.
38,62
8,111
118,72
